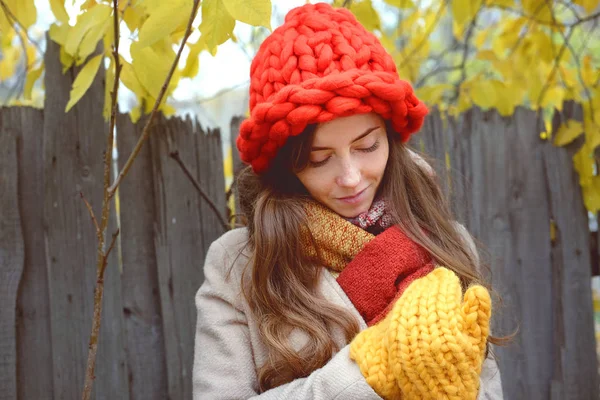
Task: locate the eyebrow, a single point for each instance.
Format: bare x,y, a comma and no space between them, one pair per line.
362,135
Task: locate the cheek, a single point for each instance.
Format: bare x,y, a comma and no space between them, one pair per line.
315,181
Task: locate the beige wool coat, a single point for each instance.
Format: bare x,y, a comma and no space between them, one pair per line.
229,350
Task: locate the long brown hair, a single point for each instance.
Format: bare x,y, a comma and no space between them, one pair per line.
281,286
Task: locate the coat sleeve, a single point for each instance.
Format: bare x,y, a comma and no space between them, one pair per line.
224,365
490,383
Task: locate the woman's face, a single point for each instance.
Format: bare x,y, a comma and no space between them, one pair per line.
346,163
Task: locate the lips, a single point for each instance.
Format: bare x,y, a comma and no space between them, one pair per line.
353,198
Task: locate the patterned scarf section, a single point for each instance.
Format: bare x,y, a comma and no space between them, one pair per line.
372,270
375,220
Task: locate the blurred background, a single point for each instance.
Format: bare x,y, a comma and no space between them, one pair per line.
513,88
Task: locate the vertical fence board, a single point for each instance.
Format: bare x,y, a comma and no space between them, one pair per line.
178,238
73,163
432,140
12,253
211,177
145,351
34,350
578,372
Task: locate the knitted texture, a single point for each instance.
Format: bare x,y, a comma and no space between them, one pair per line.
373,270
432,343
319,65
337,241
375,219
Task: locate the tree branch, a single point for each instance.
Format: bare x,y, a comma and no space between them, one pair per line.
102,255
92,215
146,131
175,155
427,34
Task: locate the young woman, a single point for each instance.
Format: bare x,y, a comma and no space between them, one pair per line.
351,280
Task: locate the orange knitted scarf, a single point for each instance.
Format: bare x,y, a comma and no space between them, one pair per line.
372,270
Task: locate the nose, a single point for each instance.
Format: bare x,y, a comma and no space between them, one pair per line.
349,175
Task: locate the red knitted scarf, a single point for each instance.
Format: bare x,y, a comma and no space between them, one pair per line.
373,270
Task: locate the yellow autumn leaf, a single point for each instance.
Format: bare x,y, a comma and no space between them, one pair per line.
540,10
164,21
59,33
9,61
58,9
567,132
543,45
508,96
588,72
252,12
554,98
405,4
90,42
463,12
83,81
366,14
588,5
32,77
65,59
25,12
86,22
108,88
133,17
591,194
192,64
482,93
481,37
432,94
217,24
129,79
151,68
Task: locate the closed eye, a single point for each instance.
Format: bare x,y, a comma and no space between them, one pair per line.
370,149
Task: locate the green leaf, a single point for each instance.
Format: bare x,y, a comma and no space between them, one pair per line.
163,21
253,12
567,132
217,24
84,80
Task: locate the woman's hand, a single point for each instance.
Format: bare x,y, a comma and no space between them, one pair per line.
432,343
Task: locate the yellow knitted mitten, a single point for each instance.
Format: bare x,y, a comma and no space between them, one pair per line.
432,343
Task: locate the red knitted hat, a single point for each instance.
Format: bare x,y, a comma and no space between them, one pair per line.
319,65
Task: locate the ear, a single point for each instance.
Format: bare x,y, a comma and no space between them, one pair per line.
421,162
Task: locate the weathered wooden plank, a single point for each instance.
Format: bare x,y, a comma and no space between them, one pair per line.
179,249
507,211
34,351
12,253
576,364
237,164
432,140
145,351
73,163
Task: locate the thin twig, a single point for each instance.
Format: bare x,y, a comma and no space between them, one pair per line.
427,34
110,248
89,207
579,74
463,64
554,68
10,15
102,255
175,155
146,132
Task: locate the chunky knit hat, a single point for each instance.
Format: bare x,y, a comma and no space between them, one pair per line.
319,65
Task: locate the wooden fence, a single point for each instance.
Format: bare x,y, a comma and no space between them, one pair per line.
516,186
